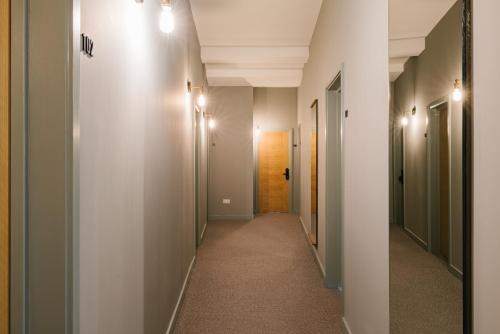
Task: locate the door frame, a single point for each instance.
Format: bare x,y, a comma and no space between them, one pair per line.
334,231
290,166
431,233
5,170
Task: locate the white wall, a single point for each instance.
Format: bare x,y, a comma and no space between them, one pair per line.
486,123
231,154
354,33
136,165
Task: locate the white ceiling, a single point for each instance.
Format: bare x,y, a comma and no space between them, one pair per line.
260,43
265,43
410,21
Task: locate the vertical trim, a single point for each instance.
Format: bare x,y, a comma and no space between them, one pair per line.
73,254
468,172
4,166
18,254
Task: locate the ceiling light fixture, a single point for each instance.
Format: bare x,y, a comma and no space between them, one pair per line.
457,91
166,16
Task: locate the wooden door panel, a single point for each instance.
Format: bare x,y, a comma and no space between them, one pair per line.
273,160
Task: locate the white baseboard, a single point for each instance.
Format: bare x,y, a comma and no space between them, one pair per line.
181,297
345,326
313,249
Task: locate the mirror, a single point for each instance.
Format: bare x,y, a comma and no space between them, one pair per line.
314,173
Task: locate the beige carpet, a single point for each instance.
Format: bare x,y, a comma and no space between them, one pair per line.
257,277
425,297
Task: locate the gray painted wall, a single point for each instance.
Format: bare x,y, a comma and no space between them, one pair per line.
427,78
137,165
276,109
231,153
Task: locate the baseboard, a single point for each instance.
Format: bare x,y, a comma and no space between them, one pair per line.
203,232
416,238
455,271
313,249
345,326
180,299
230,217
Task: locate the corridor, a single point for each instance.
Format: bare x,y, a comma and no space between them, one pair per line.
258,277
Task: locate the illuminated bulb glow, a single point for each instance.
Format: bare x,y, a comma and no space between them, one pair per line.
404,121
257,132
457,95
211,124
166,19
202,100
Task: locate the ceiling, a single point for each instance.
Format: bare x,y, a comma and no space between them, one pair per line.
265,43
410,21
260,43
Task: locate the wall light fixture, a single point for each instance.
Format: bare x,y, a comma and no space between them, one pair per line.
457,91
166,16
404,121
202,99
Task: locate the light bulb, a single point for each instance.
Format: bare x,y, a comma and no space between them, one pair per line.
211,124
404,121
257,132
166,19
457,94
202,100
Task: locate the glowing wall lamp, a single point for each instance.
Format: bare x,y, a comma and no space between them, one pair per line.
457,91
202,100
404,121
211,123
166,16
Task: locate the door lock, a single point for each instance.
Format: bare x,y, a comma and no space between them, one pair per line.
287,173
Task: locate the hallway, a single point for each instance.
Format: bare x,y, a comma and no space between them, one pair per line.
425,296
258,277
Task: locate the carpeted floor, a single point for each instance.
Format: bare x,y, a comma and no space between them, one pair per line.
257,277
425,298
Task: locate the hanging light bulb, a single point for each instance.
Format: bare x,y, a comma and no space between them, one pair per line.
211,123
404,121
457,91
202,100
166,17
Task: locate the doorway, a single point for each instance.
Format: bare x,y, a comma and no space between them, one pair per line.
334,182
439,179
274,172
4,164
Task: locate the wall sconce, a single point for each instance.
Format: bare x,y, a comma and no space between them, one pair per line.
202,100
166,16
257,132
211,121
404,121
457,91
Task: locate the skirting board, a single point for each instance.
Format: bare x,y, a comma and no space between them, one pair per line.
181,297
345,326
313,249
203,232
230,217
416,238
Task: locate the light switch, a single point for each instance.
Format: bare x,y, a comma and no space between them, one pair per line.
226,201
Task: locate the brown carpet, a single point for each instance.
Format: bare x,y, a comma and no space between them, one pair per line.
425,297
257,277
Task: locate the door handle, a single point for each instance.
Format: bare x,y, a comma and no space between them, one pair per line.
287,173
400,178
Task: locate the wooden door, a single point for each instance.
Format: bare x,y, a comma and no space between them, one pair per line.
4,162
273,162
